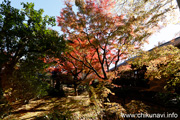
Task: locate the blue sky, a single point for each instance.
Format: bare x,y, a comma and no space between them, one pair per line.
53,8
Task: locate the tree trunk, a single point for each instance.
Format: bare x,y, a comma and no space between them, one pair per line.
1,90
6,72
178,2
75,89
59,88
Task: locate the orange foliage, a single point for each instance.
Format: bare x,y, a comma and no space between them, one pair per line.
94,32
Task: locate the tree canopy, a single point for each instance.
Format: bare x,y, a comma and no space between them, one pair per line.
162,64
103,38
24,33
39,67
24,40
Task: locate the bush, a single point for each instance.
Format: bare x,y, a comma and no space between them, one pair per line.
24,86
136,106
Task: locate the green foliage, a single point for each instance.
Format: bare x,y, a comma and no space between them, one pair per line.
24,33
162,63
24,85
25,40
24,82
168,99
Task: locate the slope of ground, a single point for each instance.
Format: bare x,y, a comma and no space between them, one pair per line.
72,107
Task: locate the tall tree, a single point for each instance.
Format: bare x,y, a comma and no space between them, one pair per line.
103,38
25,38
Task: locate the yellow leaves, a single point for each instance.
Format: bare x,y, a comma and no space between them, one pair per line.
106,92
162,66
161,60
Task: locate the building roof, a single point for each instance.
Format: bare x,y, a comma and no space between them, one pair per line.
175,42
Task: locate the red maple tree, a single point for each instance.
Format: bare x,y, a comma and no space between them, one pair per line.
100,38
94,35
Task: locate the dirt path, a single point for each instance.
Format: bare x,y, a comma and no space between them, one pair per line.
78,106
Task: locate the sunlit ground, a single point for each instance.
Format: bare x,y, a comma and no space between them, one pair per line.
78,106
